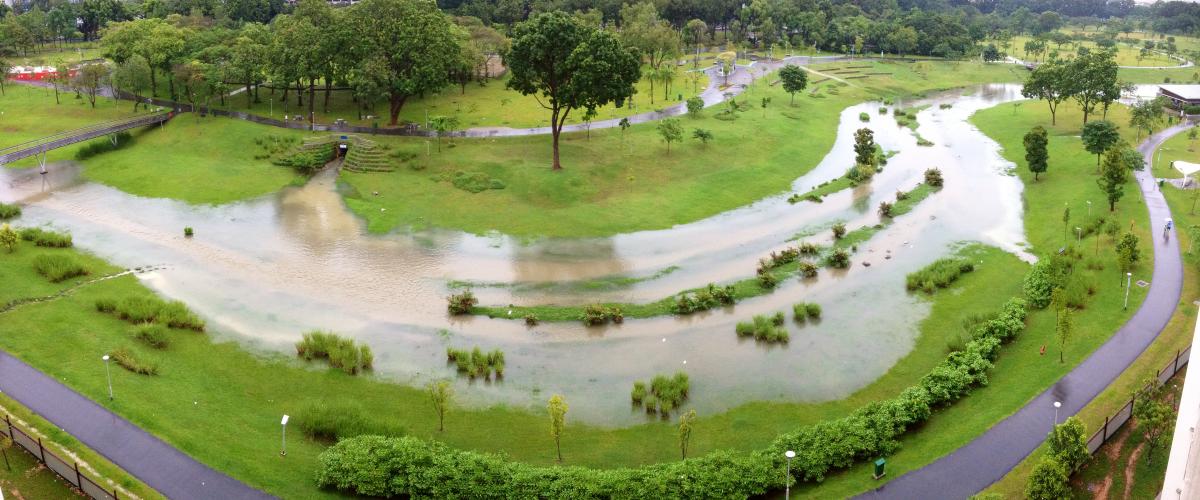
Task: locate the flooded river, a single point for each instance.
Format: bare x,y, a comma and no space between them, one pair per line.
266,270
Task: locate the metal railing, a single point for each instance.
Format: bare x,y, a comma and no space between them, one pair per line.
1113,423
68,137
68,470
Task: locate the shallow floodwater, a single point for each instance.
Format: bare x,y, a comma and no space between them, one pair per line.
264,271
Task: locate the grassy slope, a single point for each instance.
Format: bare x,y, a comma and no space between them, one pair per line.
28,113
208,160
25,477
1176,148
1176,336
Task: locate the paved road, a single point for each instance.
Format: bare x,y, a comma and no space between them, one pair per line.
151,460
989,457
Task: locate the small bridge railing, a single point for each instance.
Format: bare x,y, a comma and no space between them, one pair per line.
65,138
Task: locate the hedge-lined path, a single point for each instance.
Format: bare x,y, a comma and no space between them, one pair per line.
990,456
154,462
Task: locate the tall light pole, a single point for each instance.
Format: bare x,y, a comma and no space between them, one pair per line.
1128,281
1057,405
1089,208
283,437
1078,234
108,375
787,481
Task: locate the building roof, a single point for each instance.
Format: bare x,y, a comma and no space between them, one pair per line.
1189,92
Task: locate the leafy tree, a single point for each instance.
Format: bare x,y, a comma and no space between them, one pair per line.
1051,83
686,423
1068,444
1063,330
654,38
694,30
703,135
695,106
1066,218
794,79
1113,177
407,46
991,53
570,66
133,75
90,79
1153,416
671,131
902,40
1127,252
728,62
765,102
1037,156
1048,481
1100,136
864,147
8,238
558,419
1147,115
440,394
442,125
1093,78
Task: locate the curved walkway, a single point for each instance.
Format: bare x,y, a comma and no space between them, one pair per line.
154,462
990,456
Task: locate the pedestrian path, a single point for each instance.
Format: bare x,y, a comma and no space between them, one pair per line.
990,456
154,462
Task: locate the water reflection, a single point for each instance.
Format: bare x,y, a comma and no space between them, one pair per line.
264,271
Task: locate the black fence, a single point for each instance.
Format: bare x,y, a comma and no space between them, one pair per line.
1113,423
68,470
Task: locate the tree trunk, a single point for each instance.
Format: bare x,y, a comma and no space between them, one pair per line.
554,131
312,89
328,90
153,83
171,86
395,103
299,94
651,88
249,98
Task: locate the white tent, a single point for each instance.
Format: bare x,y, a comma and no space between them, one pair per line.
1187,168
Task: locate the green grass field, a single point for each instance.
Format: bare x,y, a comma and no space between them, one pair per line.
1126,55
1180,147
28,113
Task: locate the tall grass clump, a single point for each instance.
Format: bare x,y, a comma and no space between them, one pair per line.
803,311
764,329
342,353
704,299
326,421
8,211
45,238
149,309
152,334
599,314
461,303
56,267
476,363
665,393
128,360
938,274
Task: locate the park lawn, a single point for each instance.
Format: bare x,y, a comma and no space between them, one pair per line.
489,105
22,281
63,445
618,182
28,113
196,160
24,477
69,52
1126,55
1179,147
1175,337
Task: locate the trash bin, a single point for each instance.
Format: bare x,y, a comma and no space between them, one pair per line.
879,464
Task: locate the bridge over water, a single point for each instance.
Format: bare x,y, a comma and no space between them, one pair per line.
39,147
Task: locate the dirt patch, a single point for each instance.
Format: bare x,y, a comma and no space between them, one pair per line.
1131,466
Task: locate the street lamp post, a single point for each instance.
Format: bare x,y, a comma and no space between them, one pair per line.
1089,208
108,375
787,485
1078,234
283,437
1128,281
1057,405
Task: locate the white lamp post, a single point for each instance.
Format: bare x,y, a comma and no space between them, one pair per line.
283,435
108,375
787,485
1079,233
1089,208
1128,281
1057,405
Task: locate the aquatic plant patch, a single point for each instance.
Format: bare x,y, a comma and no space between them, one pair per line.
342,353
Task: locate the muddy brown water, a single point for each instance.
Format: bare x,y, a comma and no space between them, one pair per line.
266,270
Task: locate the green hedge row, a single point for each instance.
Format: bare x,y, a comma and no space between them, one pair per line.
407,466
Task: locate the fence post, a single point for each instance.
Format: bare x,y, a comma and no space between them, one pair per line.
1102,441
42,450
1176,362
8,419
78,479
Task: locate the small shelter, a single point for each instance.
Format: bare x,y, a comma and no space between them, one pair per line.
1181,95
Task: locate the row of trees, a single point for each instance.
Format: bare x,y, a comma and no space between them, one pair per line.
1090,79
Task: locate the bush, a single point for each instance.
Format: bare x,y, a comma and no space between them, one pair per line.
664,394
933,177
151,334
333,421
883,110
475,363
764,328
531,319
103,145
126,359
767,280
597,314
695,106
704,299
839,259
461,303
808,270
44,238
147,309
839,230
813,310
938,274
187,232
638,393
57,267
885,209
342,353
864,117
8,211
307,161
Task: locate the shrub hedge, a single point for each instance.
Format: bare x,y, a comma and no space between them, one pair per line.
57,267
406,466
44,238
938,274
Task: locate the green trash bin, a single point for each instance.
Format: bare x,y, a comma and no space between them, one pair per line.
879,464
